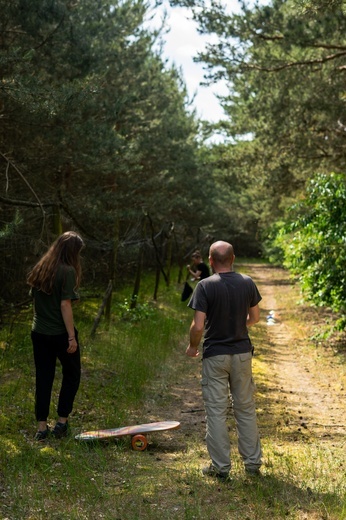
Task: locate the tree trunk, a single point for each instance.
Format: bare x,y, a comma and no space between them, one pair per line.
103,304
139,267
157,281
169,259
112,268
57,224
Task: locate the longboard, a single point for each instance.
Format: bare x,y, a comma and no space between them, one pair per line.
138,433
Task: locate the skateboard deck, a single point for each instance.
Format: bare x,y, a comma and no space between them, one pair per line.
138,433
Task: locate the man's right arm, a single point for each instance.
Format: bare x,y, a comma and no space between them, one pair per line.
196,333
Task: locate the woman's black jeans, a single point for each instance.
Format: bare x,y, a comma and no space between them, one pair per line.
47,349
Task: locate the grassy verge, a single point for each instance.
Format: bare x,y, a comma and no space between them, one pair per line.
118,366
134,371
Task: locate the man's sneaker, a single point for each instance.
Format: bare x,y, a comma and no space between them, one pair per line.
253,472
60,430
41,435
210,471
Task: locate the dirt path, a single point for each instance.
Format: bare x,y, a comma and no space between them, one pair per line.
311,381
301,389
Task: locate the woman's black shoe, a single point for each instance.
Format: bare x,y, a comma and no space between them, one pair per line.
60,430
41,435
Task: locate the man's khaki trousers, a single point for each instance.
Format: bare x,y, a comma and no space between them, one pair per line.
221,376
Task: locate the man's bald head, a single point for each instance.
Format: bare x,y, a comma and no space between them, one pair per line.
221,255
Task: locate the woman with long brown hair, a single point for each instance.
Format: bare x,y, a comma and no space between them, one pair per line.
54,282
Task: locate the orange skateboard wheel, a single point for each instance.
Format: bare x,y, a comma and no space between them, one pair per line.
139,442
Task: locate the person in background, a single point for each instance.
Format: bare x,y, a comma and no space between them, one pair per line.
225,305
199,270
54,283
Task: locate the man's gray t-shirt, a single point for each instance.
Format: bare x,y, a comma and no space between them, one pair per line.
226,299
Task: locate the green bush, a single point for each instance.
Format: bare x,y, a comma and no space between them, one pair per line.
314,242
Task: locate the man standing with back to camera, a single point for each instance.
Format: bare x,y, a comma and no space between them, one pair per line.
225,305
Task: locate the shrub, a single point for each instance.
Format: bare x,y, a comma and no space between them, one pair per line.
314,242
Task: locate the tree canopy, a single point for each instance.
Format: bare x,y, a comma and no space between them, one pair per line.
285,67
98,133
284,62
96,130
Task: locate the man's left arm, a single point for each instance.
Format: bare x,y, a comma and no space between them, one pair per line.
196,333
253,316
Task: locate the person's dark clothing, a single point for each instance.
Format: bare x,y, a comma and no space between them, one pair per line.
204,270
47,312
47,349
50,342
226,299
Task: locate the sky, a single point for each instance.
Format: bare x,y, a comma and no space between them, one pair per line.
183,43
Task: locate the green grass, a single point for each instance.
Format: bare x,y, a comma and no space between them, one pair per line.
129,370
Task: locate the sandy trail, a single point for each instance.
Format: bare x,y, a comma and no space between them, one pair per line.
311,380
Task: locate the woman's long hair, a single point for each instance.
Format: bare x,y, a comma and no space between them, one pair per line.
64,251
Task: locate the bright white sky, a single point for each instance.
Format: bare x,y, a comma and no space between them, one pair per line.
183,43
